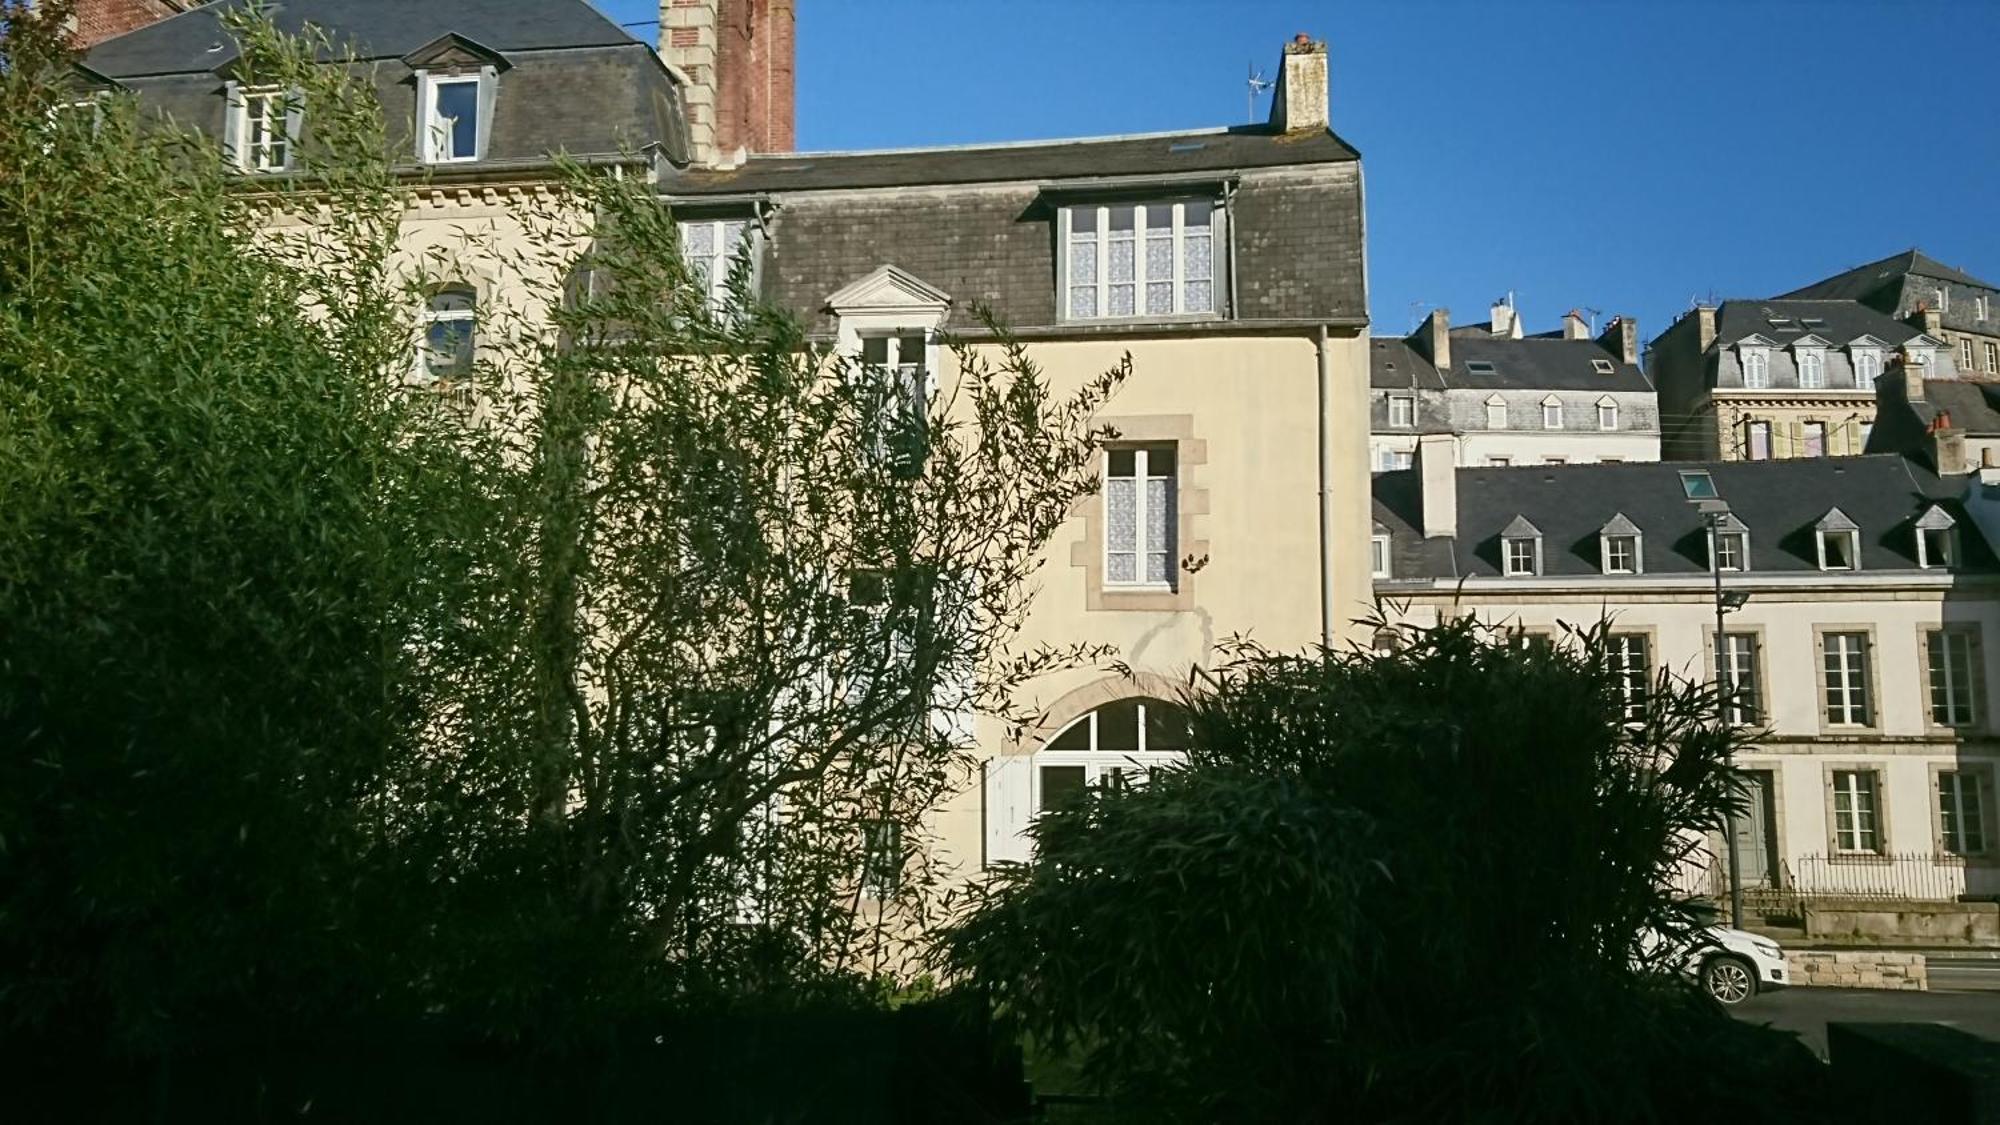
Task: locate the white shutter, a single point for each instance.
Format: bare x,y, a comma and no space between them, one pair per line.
422,120
1009,791
232,123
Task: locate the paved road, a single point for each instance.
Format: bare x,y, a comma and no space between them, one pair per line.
1808,1010
1964,973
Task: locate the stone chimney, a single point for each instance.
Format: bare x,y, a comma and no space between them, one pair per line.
1437,476
1913,380
1433,338
1300,102
1928,319
1575,327
1621,338
1948,450
736,57
1506,322
1704,316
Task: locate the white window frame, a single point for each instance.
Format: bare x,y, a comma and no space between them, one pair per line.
713,267
1631,656
1400,459
1756,368
1965,353
1826,536
1805,439
1141,547
1857,829
1552,413
1602,366
1952,671
1867,366
1739,659
1402,411
1752,427
1946,542
1496,413
1812,368
275,110
1742,550
1607,415
429,316
1616,545
435,131
1378,556
882,860
1992,358
1100,765
1979,309
1943,297
1845,672
1499,462
1957,807
1511,560
1100,233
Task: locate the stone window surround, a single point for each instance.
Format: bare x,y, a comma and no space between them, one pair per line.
1080,701
1651,635
1760,664
1883,849
1191,503
1989,772
1872,685
1980,721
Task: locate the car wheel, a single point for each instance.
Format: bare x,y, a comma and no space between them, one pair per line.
1729,980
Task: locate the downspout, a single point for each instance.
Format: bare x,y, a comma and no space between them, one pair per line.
1229,235
1326,591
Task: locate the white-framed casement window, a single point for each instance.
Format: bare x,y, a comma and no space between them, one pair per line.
1965,353
1812,368
882,858
1839,542
1937,540
451,116
1846,674
1857,812
1953,661
1979,308
1130,260
1729,546
1400,459
1402,411
1992,366
1756,368
1867,366
450,326
262,130
1631,659
1521,549
1118,744
900,360
1496,412
1962,805
1552,413
1942,298
1607,414
1757,440
1140,516
1378,555
1736,670
1618,546
711,248
1812,439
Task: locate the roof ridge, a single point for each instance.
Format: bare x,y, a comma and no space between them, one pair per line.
987,145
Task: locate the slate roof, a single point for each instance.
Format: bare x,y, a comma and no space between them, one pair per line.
1974,404
1159,154
1538,363
1779,502
1394,365
376,29
1865,281
1843,321
577,84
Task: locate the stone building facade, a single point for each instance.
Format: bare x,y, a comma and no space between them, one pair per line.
1913,284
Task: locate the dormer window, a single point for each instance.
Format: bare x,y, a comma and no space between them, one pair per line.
1607,413
1812,368
1979,308
1521,549
1756,368
1552,413
262,128
1839,542
1378,553
1867,365
1496,412
1943,298
456,82
1402,411
1140,260
1618,547
1728,544
711,248
1937,540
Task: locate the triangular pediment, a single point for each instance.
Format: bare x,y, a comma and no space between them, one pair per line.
1836,520
1923,340
452,50
1756,340
1937,519
1619,525
889,289
1810,340
1520,528
1867,342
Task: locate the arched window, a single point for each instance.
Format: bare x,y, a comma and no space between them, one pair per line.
449,320
1117,744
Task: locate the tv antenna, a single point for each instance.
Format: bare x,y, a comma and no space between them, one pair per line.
1258,84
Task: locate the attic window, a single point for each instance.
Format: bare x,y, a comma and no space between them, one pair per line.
1813,321
1936,540
452,124
1618,547
1479,367
1378,554
1153,259
1601,366
1839,542
1781,322
1521,549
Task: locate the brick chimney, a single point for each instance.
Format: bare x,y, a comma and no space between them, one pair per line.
1437,479
737,59
94,21
1621,338
1300,102
1575,327
1433,338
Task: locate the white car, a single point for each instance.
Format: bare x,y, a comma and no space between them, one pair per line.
1734,965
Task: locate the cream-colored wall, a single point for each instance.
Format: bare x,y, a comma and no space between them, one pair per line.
1798,747
1845,414
1249,406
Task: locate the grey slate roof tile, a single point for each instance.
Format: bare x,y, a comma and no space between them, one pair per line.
1843,321
1865,281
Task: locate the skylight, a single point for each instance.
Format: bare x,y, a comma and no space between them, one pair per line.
1813,321
1601,366
1479,366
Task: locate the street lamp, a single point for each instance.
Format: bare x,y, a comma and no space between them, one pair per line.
1699,488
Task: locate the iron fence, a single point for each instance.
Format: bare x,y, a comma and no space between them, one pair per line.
1901,876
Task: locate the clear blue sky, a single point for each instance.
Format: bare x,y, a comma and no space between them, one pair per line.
1622,155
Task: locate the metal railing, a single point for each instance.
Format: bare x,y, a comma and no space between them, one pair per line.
1908,876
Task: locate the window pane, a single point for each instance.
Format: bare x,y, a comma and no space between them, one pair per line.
875,350
1195,214
1159,507
1200,297
1160,461
1124,462
1060,784
1083,301
1083,220
1166,727
1160,298
910,351
458,111
1118,727
1074,740
1083,261
1196,257
1159,256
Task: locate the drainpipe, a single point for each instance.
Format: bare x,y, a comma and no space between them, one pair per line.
1325,494
1229,233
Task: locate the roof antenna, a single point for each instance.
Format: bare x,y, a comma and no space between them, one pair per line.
1416,314
1594,314
1258,84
